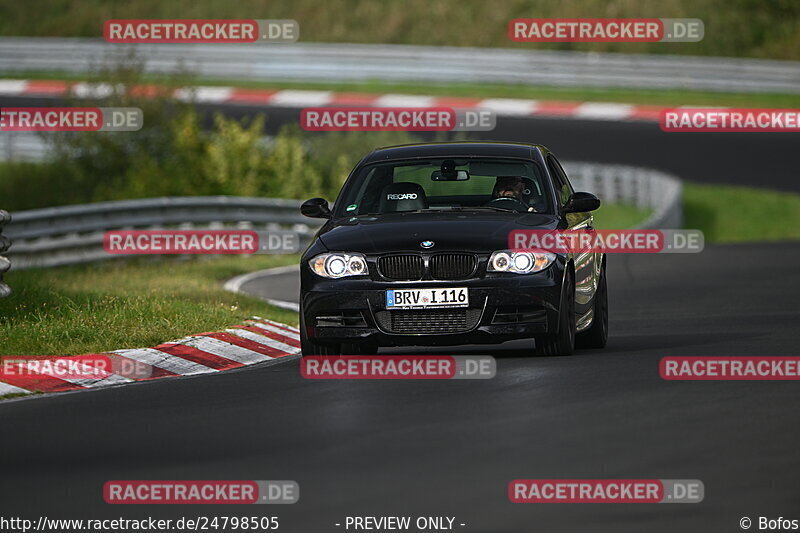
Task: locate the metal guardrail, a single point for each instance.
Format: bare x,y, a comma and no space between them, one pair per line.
74,234
17,146
37,146
643,187
363,62
5,243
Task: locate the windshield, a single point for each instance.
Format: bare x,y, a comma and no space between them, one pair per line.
431,185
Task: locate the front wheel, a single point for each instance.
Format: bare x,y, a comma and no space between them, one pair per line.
562,342
309,347
597,334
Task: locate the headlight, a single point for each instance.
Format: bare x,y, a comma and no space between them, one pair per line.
339,265
519,262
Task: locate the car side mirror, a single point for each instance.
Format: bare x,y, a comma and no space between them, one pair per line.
581,202
316,208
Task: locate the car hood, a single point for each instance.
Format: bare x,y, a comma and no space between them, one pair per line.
471,231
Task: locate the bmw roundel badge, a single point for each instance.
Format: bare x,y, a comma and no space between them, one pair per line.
427,244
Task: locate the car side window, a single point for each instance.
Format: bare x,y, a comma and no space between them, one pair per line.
562,183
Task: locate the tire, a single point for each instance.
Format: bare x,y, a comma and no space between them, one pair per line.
308,347
562,342
596,336
312,348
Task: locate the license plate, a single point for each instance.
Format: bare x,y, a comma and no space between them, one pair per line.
427,298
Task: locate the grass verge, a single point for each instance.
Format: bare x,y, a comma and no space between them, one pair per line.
127,304
741,214
618,216
674,97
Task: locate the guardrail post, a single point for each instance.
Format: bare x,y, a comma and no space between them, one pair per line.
5,243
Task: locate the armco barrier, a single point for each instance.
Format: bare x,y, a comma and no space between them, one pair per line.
74,234
5,243
643,187
392,63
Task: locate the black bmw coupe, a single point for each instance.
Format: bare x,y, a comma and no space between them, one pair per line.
415,251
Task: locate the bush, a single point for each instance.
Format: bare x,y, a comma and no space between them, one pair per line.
174,156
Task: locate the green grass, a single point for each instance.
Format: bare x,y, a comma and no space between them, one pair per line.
741,214
674,97
619,216
127,304
738,28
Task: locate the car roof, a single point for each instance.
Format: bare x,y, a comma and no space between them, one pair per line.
456,149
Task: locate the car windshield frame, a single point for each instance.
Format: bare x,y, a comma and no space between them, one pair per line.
362,172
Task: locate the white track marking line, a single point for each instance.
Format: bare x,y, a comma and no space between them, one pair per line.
165,361
289,306
235,284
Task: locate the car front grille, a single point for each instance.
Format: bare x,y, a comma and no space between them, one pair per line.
431,321
452,266
411,267
401,267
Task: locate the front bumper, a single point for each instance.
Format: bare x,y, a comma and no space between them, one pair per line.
502,307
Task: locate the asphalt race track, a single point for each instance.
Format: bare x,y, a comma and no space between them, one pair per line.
449,448
750,159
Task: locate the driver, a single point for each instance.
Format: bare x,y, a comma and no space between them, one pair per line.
512,187
509,187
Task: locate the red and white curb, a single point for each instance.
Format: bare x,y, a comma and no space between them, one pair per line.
507,107
258,340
